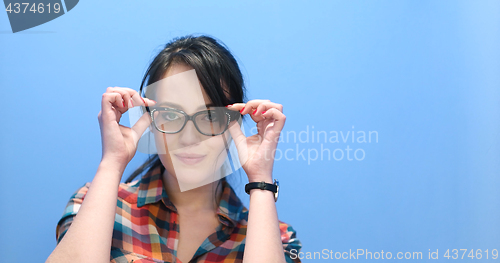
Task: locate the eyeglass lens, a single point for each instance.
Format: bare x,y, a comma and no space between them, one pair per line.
208,122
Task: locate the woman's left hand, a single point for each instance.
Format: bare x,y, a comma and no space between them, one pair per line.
256,153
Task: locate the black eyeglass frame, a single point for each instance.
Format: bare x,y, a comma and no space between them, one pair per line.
188,117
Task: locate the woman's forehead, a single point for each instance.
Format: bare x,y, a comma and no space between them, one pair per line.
183,90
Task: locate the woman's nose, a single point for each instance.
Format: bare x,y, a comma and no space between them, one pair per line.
189,135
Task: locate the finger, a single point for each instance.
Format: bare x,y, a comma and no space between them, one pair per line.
236,106
252,105
245,108
136,98
130,91
110,110
278,117
127,101
268,105
142,101
125,94
260,128
112,100
264,106
141,125
148,102
130,97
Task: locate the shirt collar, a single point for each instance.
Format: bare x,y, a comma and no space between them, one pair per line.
151,190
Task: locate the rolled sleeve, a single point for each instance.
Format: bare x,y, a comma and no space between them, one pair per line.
72,208
291,244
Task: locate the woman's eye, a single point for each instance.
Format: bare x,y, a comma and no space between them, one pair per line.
169,116
211,117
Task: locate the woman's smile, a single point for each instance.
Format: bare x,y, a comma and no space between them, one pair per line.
190,158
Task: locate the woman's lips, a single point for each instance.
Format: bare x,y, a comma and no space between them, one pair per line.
190,159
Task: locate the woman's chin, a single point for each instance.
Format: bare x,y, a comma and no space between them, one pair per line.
190,177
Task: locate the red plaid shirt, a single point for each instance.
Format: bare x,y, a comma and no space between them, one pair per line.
146,225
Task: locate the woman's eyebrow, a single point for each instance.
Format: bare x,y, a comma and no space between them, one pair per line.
207,106
171,104
177,106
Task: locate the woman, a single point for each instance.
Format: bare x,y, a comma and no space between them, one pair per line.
182,209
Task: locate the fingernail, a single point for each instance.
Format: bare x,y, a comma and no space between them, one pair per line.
227,106
263,112
123,103
153,101
254,112
242,110
131,103
143,100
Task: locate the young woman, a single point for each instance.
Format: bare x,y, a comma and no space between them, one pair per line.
182,209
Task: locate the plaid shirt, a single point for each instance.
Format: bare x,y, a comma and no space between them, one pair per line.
146,225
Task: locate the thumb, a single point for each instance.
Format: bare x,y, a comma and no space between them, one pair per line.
235,131
141,125
240,141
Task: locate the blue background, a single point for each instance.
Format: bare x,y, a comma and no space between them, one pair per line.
425,75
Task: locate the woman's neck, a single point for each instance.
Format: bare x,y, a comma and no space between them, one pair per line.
200,199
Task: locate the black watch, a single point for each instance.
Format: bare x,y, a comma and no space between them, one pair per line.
264,186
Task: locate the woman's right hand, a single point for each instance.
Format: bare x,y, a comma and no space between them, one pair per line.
119,143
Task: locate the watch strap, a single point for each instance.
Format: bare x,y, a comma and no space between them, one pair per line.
261,185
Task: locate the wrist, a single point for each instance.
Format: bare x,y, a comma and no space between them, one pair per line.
109,164
260,178
262,185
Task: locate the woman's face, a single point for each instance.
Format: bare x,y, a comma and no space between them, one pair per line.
194,159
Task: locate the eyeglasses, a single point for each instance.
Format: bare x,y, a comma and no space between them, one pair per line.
211,122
